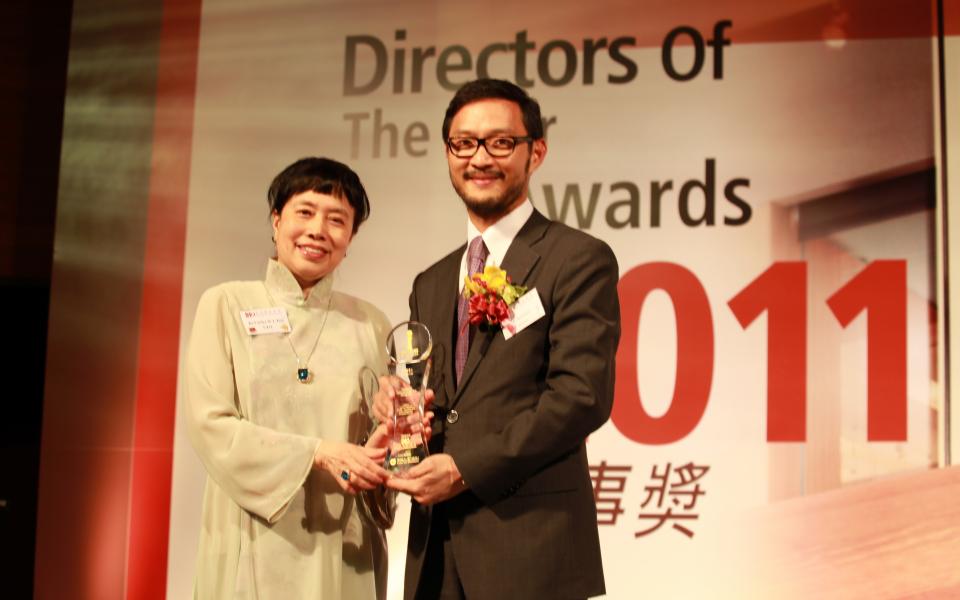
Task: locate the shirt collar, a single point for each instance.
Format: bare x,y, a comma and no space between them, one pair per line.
283,287
497,237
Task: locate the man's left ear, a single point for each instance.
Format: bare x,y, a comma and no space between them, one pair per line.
538,153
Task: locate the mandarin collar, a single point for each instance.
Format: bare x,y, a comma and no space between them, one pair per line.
283,286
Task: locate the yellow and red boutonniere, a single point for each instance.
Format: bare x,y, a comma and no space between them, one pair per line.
490,295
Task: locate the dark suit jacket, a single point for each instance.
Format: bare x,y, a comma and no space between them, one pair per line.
526,528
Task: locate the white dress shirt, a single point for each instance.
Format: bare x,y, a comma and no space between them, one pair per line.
497,237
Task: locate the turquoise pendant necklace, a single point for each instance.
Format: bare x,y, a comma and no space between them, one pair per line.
304,375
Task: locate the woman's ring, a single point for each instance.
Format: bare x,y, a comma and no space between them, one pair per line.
345,475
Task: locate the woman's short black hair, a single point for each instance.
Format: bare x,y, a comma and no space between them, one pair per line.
323,176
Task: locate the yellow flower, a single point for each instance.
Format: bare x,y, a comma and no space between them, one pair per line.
494,284
495,278
471,287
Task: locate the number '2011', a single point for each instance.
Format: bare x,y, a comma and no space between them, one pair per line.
781,291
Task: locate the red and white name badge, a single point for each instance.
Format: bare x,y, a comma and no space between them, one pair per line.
258,321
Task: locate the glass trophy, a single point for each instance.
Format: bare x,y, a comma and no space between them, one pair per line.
408,351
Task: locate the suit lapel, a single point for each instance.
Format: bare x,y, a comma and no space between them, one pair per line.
518,262
447,313
521,257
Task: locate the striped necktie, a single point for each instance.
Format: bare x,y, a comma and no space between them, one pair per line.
476,257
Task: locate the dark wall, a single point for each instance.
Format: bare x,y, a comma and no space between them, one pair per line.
34,41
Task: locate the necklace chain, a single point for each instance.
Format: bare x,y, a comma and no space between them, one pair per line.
303,371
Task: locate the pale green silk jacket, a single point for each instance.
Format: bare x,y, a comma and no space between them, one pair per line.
272,526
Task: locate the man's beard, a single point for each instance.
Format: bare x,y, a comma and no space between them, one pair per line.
493,208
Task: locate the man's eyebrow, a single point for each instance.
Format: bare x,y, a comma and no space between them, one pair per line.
469,133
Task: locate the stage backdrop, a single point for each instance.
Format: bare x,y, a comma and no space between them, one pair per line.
769,175
764,174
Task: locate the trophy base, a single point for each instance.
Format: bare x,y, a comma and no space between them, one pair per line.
400,461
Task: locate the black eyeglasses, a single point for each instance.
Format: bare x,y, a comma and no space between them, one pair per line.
498,145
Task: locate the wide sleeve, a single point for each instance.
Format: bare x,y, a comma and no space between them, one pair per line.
259,468
576,397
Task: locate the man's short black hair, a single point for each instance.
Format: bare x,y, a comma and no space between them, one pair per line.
484,89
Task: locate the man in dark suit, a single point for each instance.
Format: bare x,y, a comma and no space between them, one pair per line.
503,507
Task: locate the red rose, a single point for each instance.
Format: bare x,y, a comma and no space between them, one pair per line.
497,312
477,309
486,308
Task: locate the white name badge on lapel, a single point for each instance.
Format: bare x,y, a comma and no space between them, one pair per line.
526,310
265,320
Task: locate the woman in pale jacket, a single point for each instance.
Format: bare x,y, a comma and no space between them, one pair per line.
274,409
